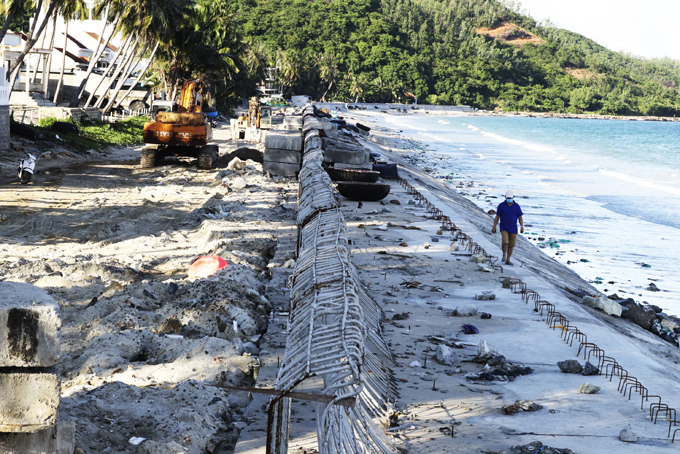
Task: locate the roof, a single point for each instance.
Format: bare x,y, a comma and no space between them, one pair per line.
101,41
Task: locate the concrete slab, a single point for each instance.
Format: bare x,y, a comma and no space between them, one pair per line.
30,400
29,326
284,156
357,156
59,439
292,141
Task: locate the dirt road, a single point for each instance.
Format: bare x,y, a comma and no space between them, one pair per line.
142,344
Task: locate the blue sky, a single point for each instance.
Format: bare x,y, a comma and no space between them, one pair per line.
647,28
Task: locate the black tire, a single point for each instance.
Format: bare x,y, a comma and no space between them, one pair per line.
24,131
364,127
151,157
207,157
24,177
63,127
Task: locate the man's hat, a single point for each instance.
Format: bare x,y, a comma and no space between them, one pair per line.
509,194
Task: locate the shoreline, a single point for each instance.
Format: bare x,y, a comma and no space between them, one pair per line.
435,110
421,282
583,255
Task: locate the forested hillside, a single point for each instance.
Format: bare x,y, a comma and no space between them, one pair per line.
376,50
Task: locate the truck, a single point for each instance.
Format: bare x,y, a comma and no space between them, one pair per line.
183,130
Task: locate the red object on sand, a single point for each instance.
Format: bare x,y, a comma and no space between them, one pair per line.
207,266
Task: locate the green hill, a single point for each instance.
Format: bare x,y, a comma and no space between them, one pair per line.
483,53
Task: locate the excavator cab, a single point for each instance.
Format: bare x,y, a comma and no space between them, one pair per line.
259,116
265,118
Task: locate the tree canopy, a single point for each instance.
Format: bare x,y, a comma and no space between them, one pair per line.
380,49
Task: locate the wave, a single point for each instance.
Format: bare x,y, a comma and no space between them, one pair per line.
642,182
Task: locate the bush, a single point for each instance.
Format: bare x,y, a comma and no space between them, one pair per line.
47,122
98,135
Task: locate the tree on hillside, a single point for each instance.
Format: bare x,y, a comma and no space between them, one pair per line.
328,71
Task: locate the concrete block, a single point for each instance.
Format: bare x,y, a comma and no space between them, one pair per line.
283,156
311,123
357,156
29,326
291,141
292,123
30,400
280,168
59,439
328,126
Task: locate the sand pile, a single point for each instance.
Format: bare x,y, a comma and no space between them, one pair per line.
142,343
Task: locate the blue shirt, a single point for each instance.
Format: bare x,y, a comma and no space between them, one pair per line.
509,215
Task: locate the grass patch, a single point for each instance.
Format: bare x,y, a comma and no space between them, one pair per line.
96,134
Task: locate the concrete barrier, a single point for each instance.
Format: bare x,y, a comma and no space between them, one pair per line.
29,383
30,401
30,323
282,156
292,141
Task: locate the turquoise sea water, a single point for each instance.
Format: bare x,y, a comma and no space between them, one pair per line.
608,187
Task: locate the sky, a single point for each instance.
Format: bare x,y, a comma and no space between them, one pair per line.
645,28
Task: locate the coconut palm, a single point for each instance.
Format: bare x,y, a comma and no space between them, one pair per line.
10,9
122,51
141,74
328,70
69,9
100,49
35,32
148,21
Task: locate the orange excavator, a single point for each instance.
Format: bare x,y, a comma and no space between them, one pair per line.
185,130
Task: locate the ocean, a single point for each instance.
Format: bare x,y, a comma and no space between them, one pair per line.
601,190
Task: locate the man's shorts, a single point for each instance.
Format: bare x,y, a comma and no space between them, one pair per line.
509,238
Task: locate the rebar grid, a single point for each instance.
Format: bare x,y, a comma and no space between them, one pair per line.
313,157
316,195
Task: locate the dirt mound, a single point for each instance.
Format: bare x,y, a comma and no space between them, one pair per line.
511,34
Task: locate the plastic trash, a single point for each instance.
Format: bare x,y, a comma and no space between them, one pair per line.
469,329
206,266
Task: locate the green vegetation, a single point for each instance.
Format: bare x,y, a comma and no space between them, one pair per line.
98,135
375,50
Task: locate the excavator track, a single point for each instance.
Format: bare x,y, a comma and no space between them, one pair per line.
152,156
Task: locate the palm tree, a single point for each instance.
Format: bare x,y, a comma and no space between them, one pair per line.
124,73
99,50
36,31
146,20
141,74
68,9
10,9
112,67
328,69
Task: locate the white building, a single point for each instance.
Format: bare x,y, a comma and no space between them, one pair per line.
83,36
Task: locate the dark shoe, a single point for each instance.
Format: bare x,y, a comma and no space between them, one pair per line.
509,263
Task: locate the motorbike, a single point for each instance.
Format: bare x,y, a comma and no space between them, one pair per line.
26,167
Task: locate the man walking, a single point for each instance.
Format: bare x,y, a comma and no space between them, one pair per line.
508,212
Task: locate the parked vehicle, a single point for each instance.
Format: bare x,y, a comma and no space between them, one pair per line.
26,167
